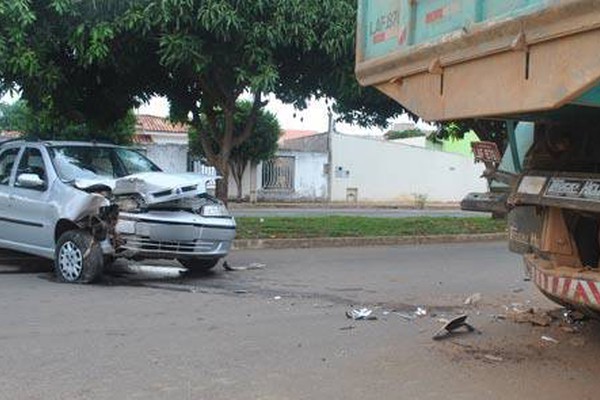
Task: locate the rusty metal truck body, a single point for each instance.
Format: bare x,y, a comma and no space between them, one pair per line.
519,60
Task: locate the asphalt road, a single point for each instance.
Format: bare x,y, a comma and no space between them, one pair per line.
281,332
356,212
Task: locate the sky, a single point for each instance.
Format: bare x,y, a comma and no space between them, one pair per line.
314,118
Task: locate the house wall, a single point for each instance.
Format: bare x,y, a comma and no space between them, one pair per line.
373,170
169,157
310,179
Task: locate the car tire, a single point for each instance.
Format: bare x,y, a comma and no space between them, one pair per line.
78,257
199,264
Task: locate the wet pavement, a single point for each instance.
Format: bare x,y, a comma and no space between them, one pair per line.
280,330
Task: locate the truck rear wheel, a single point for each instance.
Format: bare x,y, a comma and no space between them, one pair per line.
78,257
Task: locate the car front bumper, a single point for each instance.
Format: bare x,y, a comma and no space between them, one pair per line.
173,234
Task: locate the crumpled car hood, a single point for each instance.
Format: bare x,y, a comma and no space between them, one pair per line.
154,187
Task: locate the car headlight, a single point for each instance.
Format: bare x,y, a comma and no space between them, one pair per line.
214,210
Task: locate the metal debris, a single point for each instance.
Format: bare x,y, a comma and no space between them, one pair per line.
248,267
452,326
573,317
549,339
473,299
358,314
347,328
240,291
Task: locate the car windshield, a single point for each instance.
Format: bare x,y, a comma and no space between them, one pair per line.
89,162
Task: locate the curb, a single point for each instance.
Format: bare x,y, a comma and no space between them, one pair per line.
257,244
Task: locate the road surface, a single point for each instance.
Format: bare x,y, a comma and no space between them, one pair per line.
280,332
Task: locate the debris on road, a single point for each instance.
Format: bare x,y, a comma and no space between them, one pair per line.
572,317
347,328
358,314
493,358
252,266
452,326
240,291
531,316
549,339
277,298
421,312
473,299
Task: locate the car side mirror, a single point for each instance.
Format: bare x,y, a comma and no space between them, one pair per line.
30,181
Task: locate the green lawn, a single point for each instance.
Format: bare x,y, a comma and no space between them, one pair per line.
340,226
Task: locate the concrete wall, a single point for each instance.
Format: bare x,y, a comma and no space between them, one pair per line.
310,179
374,170
169,157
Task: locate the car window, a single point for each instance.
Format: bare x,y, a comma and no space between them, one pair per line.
32,162
7,161
134,162
92,162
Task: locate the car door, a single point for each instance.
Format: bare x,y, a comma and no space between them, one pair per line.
8,157
32,209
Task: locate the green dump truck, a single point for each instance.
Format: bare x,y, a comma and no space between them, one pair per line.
535,63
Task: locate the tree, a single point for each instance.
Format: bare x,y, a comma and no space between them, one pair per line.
408,133
260,146
93,61
18,116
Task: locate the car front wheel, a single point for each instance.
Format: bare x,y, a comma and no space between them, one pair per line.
199,264
78,257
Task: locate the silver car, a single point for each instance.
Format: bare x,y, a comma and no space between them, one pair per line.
85,204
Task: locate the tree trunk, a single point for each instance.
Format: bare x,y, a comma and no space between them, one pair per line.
222,190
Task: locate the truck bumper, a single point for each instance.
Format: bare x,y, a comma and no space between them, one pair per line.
574,288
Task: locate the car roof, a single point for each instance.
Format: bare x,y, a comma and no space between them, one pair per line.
55,143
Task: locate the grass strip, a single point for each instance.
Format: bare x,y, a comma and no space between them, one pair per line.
342,226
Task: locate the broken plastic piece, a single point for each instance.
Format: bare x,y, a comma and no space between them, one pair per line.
452,326
492,357
360,314
549,339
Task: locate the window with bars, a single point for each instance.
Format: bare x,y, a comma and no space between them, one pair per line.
278,173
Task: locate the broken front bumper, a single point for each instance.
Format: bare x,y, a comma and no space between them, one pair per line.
173,234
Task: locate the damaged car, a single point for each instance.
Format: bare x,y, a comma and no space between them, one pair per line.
85,204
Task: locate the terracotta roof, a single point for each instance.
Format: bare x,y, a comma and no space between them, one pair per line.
152,123
295,134
142,138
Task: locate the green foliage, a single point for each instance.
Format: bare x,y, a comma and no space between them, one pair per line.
341,226
486,130
92,61
19,117
261,145
409,133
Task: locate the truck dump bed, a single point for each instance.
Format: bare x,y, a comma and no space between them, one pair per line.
455,59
